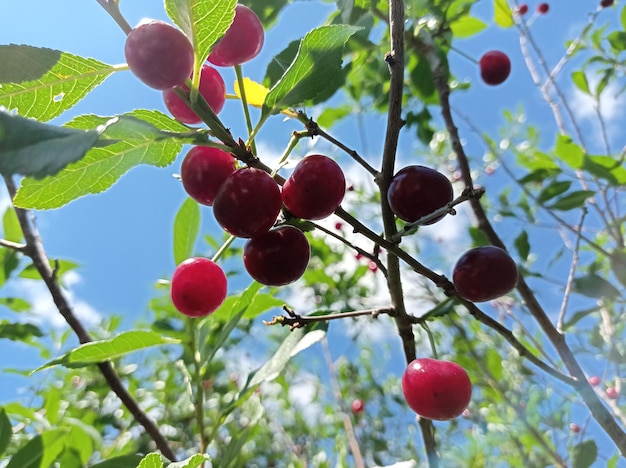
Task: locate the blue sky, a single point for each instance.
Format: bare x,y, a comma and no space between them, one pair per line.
122,238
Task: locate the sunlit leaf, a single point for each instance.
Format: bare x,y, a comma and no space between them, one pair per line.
502,14
255,92
466,26
41,450
152,460
194,461
186,229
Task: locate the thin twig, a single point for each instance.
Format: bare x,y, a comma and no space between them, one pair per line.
112,7
14,246
293,320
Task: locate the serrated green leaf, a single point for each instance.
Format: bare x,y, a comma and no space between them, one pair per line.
18,331
42,83
203,22
186,229
125,461
140,137
554,190
593,285
6,431
522,245
152,460
37,150
104,350
466,26
502,14
194,461
41,450
585,454
317,63
573,200
580,81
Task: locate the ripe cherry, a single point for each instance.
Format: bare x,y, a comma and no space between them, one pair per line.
277,257
248,203
575,428
416,191
211,88
543,8
606,3
198,287
435,389
358,406
594,381
522,9
315,188
484,273
495,67
159,54
242,41
612,393
203,172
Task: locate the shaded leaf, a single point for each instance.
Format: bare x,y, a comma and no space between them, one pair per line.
441,309
42,450
578,316
585,454
194,461
593,285
522,245
19,331
573,200
6,431
125,461
618,265
186,229
553,190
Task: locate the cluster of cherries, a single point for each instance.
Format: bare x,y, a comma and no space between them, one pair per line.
249,203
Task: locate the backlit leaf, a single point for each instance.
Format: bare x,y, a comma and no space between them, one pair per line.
186,229
502,14
255,92
125,461
466,26
152,460
194,461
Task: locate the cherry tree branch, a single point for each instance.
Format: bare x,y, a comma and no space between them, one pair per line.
293,320
35,250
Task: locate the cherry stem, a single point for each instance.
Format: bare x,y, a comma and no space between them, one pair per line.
223,248
246,110
464,55
431,339
112,7
192,330
294,320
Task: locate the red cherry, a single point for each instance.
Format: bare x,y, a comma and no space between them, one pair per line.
203,172
484,273
435,389
248,203
358,406
612,393
416,191
575,428
522,9
198,287
495,67
594,381
277,257
159,54
315,188
606,3
371,266
543,8
242,42
211,88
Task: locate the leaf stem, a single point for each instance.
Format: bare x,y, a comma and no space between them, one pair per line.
246,109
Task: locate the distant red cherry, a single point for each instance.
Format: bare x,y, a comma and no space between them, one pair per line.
522,9
371,266
198,287
575,428
277,257
495,67
358,406
594,381
315,188
248,203
435,389
203,172
612,393
543,8
211,88
242,41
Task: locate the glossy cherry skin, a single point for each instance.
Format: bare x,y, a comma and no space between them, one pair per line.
248,203
198,287
242,42
484,273
495,67
203,172
416,191
543,8
315,188
159,54
277,257
211,88
434,389
358,406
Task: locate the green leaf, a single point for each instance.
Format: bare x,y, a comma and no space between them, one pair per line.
494,363
502,14
577,317
466,26
42,450
6,431
262,303
140,138
569,152
618,265
194,461
317,63
585,454
104,350
593,285
186,229
125,461
554,190
152,460
60,266
573,200
203,22
441,309
18,331
11,226
522,245
42,83
617,39
606,167
478,237
580,81
16,304
35,149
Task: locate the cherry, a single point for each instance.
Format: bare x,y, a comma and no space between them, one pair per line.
315,188
358,406
484,273
606,3
594,381
203,172
495,67
242,41
198,287
211,88
612,393
575,428
416,191
543,8
159,54
435,389
248,203
522,9
277,257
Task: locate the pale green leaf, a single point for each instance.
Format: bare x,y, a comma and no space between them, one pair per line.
502,14
580,80
152,460
569,152
466,26
194,461
186,229
42,83
11,226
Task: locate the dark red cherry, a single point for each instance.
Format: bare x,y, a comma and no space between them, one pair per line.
203,172
242,42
